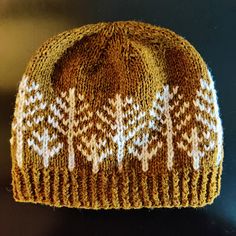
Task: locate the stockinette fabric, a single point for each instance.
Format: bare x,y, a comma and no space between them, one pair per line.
117,115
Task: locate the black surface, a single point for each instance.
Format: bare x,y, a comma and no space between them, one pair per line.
209,25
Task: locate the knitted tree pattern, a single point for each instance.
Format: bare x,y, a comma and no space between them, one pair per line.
117,115
65,111
26,115
208,116
159,112
125,124
42,145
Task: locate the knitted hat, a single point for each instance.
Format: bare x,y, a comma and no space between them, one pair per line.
117,115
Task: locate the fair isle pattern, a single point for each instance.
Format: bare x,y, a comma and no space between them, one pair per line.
145,155
44,141
193,141
135,122
162,120
209,96
92,150
70,116
29,102
208,116
70,120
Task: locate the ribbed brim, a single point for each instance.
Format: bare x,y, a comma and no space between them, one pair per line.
126,190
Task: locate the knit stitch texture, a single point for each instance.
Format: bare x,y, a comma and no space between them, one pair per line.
117,115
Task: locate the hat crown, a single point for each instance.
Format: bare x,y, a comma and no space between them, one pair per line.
126,57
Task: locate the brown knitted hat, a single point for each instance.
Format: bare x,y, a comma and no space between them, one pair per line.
117,115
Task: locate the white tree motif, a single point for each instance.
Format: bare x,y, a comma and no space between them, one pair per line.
70,115
193,142
42,145
209,116
29,102
126,121
92,150
144,156
162,117
73,119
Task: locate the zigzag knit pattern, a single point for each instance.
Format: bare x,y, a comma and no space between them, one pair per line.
121,115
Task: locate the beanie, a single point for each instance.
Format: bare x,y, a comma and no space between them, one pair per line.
120,115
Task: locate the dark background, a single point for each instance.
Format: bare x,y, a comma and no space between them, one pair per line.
210,25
